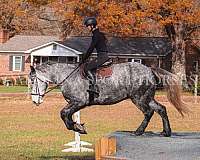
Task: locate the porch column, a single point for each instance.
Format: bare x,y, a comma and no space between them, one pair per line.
78,58
158,60
40,59
31,59
159,63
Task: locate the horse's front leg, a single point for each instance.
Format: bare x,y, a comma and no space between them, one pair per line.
66,115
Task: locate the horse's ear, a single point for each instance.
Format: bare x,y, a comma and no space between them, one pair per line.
32,69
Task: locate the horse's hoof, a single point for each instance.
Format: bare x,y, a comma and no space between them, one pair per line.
79,128
165,134
137,133
82,132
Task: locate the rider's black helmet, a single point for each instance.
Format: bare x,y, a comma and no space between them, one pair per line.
90,21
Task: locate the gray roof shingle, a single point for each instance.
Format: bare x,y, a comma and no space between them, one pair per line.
144,46
22,43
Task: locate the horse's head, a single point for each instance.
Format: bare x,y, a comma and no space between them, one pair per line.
39,86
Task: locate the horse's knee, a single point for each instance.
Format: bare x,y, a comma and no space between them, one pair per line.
63,113
69,124
64,116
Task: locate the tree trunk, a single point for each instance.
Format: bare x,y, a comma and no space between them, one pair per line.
178,55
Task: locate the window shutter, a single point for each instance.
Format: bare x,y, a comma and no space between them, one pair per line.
23,63
10,63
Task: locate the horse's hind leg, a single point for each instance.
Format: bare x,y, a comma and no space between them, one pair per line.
148,113
161,110
142,103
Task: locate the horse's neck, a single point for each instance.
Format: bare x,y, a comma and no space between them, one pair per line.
59,74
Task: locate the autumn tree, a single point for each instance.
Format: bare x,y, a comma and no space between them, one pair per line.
20,15
179,18
114,18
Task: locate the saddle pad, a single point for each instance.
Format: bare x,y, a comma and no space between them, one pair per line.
104,72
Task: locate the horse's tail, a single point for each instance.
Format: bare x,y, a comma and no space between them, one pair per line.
173,87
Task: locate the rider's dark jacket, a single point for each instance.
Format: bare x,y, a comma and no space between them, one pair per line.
98,43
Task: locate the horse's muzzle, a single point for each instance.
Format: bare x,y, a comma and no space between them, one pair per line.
37,104
37,100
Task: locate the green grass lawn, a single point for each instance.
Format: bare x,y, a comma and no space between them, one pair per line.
24,89
17,89
163,92
13,89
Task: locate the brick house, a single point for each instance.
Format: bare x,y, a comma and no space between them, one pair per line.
19,52
14,58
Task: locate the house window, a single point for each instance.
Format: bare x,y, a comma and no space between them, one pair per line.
71,59
62,59
54,47
53,58
45,59
17,63
135,60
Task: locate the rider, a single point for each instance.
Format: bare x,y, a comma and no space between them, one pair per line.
98,43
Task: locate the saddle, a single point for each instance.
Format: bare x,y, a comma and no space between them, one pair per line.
104,71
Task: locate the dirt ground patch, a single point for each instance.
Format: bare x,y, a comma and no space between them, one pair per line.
35,132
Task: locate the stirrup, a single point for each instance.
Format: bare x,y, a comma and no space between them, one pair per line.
93,91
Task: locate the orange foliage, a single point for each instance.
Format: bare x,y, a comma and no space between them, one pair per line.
126,17
170,11
117,17
14,16
20,15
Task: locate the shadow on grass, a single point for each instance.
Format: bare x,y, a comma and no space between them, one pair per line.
67,157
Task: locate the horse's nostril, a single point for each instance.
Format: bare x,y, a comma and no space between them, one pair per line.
37,104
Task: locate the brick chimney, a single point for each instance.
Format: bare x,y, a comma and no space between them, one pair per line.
4,36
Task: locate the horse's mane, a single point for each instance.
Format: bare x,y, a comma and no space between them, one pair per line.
46,66
43,67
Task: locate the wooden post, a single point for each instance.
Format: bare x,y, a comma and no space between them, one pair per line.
105,148
98,150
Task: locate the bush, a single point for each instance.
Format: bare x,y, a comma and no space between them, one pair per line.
18,82
21,81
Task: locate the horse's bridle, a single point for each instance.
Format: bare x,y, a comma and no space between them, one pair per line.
37,88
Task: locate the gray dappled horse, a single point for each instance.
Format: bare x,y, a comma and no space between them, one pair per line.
128,81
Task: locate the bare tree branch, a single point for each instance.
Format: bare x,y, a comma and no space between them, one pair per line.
192,29
47,18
